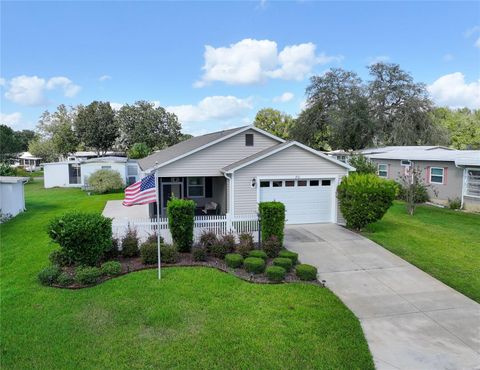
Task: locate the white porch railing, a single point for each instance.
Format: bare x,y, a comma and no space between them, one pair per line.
220,224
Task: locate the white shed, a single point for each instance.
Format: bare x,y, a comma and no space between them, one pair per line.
12,195
62,174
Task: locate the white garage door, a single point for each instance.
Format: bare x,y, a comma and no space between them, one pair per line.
306,201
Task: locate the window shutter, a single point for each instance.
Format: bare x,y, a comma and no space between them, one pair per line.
427,175
185,185
208,187
445,175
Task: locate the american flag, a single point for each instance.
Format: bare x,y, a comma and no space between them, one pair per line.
141,192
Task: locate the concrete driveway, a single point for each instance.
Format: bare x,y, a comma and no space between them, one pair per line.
410,319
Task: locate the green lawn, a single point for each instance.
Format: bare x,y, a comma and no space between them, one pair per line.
192,318
441,242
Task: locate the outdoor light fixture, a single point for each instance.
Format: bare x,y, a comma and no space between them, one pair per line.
253,183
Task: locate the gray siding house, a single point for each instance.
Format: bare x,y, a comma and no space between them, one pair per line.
450,173
232,171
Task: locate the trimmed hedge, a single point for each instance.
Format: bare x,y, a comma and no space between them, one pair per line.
87,275
272,246
111,268
275,273
130,244
365,198
83,237
254,265
258,254
287,254
149,253
272,216
181,213
234,260
306,272
49,275
286,263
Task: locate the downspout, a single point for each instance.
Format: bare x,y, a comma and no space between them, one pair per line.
232,209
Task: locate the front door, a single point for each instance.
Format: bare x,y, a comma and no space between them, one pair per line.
169,190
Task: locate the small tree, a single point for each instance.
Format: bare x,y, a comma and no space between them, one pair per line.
181,213
104,181
138,151
413,189
272,216
365,199
362,164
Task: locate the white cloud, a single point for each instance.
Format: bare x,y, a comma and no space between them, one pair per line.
285,97
116,106
11,119
252,61
30,90
212,108
104,78
472,31
2,81
451,90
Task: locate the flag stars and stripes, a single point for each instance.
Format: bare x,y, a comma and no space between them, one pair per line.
141,192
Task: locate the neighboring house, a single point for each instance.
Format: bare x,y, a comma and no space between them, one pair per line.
12,195
75,173
232,171
27,162
449,173
84,155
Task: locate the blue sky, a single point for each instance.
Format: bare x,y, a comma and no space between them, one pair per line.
216,63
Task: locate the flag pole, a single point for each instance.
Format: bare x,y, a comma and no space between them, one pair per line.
158,226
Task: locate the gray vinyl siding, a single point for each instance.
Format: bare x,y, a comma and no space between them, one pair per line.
440,193
209,161
292,161
471,203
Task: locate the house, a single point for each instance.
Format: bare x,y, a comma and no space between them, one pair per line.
231,171
12,195
27,161
449,173
75,173
84,155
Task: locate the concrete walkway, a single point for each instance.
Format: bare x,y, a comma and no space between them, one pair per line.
410,319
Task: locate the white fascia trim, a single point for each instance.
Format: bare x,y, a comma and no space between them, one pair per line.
296,143
246,128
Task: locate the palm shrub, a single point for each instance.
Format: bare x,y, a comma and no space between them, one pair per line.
83,237
181,213
228,240
365,199
272,216
208,238
104,181
245,244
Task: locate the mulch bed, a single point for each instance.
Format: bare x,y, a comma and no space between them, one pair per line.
186,260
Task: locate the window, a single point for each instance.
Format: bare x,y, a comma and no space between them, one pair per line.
405,162
473,183
277,184
132,170
302,183
131,180
382,170
289,183
106,167
196,187
436,175
74,174
248,139
326,182
314,182
264,184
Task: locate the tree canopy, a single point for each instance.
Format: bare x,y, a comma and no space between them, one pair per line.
274,122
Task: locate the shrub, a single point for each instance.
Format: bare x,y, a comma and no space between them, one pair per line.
153,238
228,240
275,273
245,244
112,252
104,181
254,265
362,164
168,253
138,151
455,203
272,246
287,254
258,254
208,238
365,199
420,193
272,216
218,250
306,272
49,275
234,260
130,244
286,263
199,254
149,253
87,275
65,279
59,257
84,237
111,268
180,221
